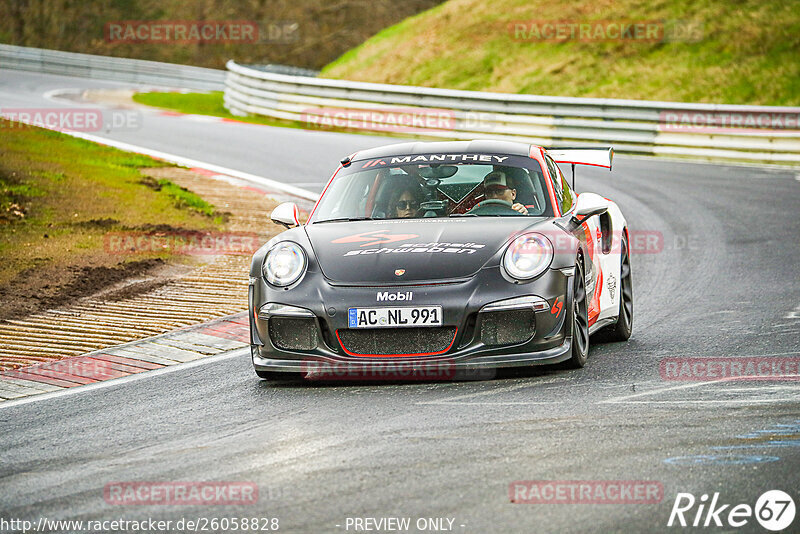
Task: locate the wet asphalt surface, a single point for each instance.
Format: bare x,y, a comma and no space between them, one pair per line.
723,282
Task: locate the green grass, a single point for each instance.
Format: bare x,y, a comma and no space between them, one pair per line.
210,104
748,52
199,103
59,197
185,198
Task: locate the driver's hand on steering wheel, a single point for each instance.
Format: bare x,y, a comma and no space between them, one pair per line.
520,208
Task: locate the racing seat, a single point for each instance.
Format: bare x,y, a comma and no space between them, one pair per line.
380,205
539,194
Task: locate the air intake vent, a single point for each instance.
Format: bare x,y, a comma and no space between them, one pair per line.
397,341
293,333
507,327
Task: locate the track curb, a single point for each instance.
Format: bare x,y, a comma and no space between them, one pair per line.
179,346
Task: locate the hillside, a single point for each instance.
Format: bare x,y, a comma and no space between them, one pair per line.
743,52
303,33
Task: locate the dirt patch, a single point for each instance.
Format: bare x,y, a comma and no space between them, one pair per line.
150,182
157,228
122,98
13,200
105,300
133,288
106,222
43,287
54,281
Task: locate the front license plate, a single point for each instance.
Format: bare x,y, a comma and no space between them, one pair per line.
394,317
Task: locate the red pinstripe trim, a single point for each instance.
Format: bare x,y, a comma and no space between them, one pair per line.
594,306
594,311
537,153
310,215
582,163
396,355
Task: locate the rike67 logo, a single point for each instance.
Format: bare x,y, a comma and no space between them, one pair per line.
774,510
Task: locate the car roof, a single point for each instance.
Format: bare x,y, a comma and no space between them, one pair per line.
445,147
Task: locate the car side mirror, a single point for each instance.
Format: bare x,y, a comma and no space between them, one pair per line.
590,204
286,214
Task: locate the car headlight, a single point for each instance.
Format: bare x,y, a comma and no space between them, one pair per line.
528,256
284,264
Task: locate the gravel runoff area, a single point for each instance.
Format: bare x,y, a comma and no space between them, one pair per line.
161,299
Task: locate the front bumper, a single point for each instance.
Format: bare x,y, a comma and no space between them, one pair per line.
465,307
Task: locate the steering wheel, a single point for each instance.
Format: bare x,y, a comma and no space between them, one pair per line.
494,206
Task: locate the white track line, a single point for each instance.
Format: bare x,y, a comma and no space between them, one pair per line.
126,379
488,403
53,95
655,392
450,400
188,162
626,398
56,94
765,388
179,160
308,195
722,402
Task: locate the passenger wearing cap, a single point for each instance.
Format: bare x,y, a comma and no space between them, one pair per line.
496,186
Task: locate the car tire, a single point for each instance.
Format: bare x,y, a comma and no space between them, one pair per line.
622,329
580,320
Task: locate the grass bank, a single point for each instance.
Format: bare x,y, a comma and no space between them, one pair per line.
60,197
718,51
210,104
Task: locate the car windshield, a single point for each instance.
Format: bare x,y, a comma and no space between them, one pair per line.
444,185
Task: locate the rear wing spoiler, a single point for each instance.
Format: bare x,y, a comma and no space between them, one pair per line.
596,157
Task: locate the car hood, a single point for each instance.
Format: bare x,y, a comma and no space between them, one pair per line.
397,252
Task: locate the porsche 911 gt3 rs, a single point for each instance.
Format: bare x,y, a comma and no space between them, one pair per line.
459,255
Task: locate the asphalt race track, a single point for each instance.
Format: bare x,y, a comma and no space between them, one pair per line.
723,282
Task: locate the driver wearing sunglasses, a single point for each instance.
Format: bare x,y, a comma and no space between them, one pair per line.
405,204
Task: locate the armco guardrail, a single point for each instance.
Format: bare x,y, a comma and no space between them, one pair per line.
285,69
633,126
111,68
